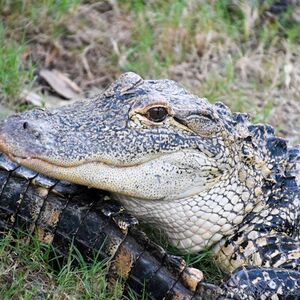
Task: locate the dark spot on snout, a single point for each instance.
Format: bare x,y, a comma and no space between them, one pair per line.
25,125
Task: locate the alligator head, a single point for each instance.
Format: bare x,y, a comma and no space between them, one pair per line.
173,159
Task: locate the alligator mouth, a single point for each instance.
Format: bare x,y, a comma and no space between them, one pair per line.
32,161
92,174
133,181
48,167
44,164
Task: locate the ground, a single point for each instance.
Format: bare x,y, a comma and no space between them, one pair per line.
238,52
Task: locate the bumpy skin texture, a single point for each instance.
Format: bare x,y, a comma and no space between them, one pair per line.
206,176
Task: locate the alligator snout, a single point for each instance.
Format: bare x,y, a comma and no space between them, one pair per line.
22,136
23,128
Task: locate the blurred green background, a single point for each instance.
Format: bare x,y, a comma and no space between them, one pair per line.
243,53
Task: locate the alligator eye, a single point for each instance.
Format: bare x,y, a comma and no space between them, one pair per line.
157,114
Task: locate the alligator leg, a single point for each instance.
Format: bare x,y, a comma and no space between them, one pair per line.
270,266
262,283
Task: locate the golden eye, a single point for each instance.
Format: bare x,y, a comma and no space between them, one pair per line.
157,114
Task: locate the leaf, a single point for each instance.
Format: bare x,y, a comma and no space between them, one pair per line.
32,97
60,83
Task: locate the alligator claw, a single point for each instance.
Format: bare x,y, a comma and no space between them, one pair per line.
209,291
120,217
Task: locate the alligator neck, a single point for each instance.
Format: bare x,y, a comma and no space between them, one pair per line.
202,220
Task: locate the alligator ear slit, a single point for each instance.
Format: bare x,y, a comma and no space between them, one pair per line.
208,116
180,121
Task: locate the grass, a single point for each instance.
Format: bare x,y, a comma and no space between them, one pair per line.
219,48
29,270
23,16
26,273
18,20
222,50
12,76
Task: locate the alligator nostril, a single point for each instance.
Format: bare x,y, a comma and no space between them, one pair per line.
31,129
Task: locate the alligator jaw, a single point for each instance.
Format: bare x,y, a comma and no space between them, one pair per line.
136,181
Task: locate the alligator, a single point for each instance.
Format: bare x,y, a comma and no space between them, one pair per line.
207,177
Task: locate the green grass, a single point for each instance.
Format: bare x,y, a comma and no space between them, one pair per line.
165,31
32,12
26,273
12,76
164,34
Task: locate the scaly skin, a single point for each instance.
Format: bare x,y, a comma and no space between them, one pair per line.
204,175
